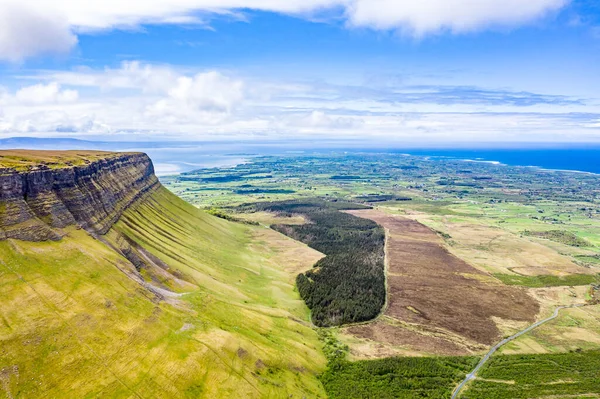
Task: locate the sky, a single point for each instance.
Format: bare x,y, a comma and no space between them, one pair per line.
401,72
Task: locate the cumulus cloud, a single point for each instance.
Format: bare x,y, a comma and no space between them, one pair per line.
45,94
30,27
431,16
135,96
26,31
209,90
319,119
158,99
210,96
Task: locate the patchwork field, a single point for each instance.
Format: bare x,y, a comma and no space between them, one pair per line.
496,250
503,246
437,303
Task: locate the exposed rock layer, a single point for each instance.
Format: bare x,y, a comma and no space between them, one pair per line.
36,204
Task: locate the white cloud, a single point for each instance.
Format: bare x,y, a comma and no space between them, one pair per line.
318,120
130,75
45,94
431,16
208,91
205,98
150,99
31,27
134,97
27,31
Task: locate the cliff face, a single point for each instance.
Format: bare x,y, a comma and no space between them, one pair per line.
35,204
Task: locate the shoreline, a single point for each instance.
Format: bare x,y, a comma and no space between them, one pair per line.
501,163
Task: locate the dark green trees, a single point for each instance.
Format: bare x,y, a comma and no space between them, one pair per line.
348,285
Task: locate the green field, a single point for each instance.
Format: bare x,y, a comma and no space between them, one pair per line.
401,378
21,160
548,281
572,375
539,230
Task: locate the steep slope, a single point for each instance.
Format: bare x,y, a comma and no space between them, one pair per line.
168,302
90,189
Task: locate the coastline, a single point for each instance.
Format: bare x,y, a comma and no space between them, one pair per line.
174,168
583,157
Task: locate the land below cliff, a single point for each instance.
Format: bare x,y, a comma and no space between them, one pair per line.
475,252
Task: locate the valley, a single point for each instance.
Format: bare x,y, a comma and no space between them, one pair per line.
348,276
475,252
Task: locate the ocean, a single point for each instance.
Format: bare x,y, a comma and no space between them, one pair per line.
581,159
177,157
176,160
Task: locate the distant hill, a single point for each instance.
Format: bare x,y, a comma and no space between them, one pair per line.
49,143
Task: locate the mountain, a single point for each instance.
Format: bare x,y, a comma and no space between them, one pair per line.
114,287
48,143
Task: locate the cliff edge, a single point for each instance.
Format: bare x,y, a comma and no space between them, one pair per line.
42,192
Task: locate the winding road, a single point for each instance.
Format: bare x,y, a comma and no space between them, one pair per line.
487,357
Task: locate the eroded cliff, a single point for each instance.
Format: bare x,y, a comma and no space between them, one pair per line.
38,200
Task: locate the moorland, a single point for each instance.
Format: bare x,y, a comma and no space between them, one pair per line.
475,252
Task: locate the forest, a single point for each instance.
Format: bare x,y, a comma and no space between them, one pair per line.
399,378
573,374
348,284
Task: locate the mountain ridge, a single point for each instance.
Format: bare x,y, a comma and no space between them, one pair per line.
90,190
141,294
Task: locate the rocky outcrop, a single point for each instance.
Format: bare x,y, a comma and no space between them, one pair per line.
36,204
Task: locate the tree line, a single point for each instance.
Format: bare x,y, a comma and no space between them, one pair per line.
348,284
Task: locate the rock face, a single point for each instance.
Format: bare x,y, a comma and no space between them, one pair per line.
36,204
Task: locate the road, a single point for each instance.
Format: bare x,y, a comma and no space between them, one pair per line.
487,357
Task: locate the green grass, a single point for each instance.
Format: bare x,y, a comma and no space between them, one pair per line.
588,259
548,281
21,160
72,324
538,376
563,237
401,378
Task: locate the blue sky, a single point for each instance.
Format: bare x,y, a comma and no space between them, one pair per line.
433,71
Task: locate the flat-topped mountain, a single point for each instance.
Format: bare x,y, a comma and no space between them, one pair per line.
112,286
42,192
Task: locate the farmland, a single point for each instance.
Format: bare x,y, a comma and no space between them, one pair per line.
475,252
437,296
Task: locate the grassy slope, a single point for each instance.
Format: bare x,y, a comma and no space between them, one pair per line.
25,159
72,322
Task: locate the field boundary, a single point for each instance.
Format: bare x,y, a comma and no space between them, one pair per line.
473,374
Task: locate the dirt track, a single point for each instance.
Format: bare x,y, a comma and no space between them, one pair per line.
437,303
